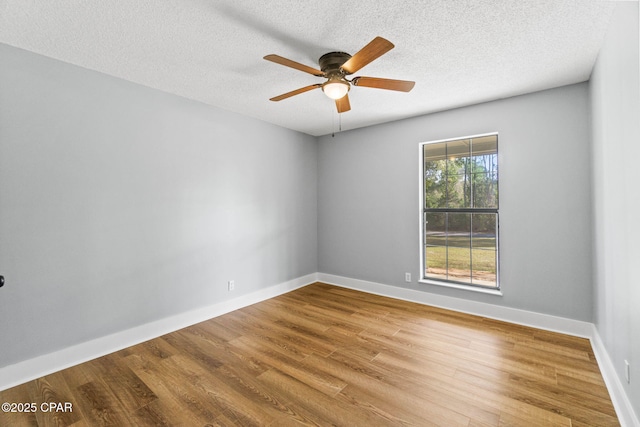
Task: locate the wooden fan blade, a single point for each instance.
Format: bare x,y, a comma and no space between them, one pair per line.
295,92
293,64
389,84
342,104
375,49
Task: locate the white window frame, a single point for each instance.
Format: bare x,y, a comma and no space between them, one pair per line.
447,284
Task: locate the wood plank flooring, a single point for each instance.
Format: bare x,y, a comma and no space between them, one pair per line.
324,355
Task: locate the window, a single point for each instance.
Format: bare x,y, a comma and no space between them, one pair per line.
459,204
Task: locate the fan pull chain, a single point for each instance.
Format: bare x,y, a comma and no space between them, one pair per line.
333,123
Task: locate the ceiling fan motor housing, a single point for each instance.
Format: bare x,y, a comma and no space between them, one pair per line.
331,62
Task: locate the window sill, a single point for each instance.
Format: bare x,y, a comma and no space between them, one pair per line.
496,292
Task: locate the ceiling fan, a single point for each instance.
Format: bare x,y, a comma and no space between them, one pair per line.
336,66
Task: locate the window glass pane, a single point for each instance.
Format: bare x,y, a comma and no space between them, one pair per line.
435,245
484,171
435,191
436,262
485,190
435,152
458,191
458,174
458,148
459,247
484,254
435,169
485,145
436,229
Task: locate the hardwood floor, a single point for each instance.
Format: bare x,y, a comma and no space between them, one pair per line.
324,355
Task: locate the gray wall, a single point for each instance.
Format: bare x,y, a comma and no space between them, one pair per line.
120,205
368,220
615,111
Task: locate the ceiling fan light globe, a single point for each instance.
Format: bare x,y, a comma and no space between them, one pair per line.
335,90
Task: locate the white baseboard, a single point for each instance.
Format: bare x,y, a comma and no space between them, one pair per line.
511,315
46,364
621,403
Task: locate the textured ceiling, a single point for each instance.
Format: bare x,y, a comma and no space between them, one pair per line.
458,52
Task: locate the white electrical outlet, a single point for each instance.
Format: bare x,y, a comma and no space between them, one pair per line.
407,277
232,285
627,373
